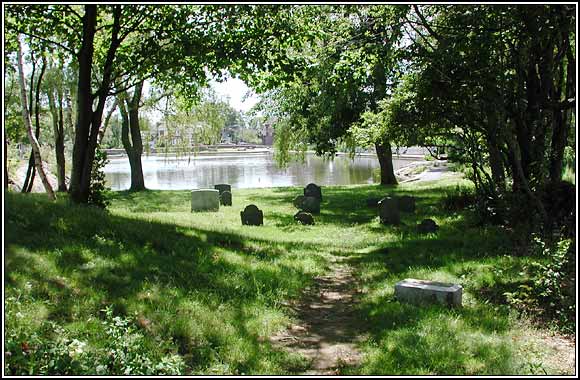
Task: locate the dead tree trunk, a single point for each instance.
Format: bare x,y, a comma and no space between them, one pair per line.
28,124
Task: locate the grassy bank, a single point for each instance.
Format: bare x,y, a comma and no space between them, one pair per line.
148,287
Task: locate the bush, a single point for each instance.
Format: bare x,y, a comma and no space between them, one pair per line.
550,293
458,200
99,193
51,351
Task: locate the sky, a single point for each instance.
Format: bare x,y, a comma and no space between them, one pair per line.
231,90
234,89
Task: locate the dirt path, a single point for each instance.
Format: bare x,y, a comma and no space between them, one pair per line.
327,331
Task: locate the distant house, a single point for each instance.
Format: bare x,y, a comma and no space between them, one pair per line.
159,134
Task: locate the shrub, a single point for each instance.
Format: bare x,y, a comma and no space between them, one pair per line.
99,193
549,293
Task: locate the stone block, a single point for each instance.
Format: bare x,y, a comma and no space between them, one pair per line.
313,190
427,226
223,187
311,205
226,198
252,216
304,218
421,292
389,211
205,200
298,201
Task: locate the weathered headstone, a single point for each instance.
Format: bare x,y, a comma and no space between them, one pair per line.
421,292
389,211
406,203
312,190
252,216
223,187
205,200
298,201
311,205
427,226
304,218
226,198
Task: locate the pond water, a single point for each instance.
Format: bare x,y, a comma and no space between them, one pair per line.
242,170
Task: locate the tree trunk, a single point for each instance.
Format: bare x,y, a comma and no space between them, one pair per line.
78,189
28,123
495,159
29,179
56,109
131,136
385,156
89,119
562,118
107,120
5,161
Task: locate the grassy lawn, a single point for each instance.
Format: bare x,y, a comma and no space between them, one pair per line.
151,288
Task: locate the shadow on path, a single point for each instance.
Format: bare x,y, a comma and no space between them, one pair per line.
328,328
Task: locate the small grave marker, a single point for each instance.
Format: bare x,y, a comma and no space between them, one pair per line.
311,205
298,201
252,216
313,190
304,218
427,226
226,198
389,211
420,292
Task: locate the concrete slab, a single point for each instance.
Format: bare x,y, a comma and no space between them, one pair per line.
420,292
205,200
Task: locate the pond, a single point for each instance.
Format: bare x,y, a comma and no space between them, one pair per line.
242,170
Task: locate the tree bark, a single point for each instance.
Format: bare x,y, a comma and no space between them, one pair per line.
107,120
29,179
79,189
561,127
89,119
383,148
28,123
56,109
131,136
385,156
5,161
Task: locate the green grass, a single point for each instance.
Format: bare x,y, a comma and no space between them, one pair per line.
198,293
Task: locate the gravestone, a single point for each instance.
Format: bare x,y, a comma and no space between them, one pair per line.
421,292
298,201
406,203
252,216
205,200
223,187
226,198
312,190
427,226
304,218
311,205
373,202
389,211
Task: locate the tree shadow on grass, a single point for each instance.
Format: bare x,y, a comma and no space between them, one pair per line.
343,206
113,259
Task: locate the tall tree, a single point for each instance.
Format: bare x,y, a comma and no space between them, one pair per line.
55,93
131,134
28,123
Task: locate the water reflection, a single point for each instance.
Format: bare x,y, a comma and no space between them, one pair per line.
242,171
